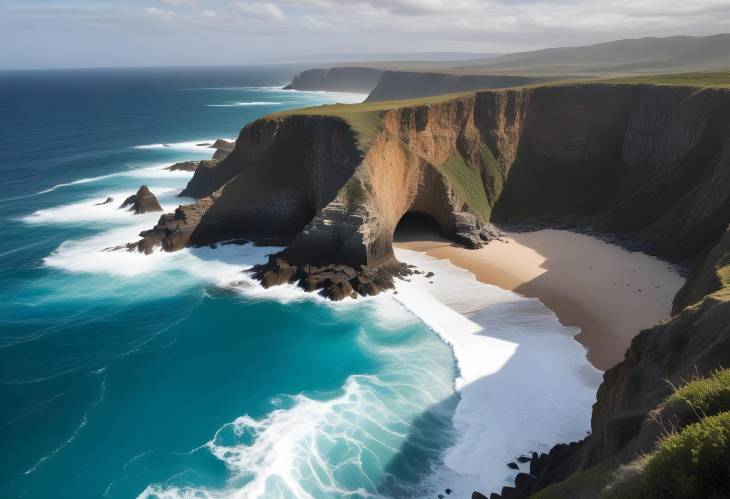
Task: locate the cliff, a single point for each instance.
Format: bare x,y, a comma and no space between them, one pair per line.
397,85
651,163
645,161
345,79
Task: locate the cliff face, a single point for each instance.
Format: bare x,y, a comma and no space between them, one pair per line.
395,85
359,80
649,162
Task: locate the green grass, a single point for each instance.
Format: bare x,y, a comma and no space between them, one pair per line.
468,184
706,396
365,119
693,463
581,484
700,79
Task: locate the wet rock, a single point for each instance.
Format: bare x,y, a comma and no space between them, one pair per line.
429,275
281,273
106,201
523,459
513,466
142,202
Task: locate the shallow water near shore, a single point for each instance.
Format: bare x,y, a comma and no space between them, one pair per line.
124,375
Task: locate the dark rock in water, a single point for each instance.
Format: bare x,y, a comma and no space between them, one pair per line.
523,459
523,480
448,491
335,281
478,495
106,201
441,496
493,495
203,144
339,291
186,166
429,275
142,202
280,274
514,466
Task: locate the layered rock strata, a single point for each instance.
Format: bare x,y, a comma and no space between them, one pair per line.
640,160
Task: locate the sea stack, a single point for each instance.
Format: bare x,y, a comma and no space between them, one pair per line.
142,202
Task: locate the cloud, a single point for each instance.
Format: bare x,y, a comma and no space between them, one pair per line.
298,27
265,10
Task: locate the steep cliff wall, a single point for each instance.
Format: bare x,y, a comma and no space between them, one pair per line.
359,80
647,161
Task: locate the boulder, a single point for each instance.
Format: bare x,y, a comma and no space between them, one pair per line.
142,202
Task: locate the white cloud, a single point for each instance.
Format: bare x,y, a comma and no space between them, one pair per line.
266,10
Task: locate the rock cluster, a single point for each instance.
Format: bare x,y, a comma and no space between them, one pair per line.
474,234
142,202
335,282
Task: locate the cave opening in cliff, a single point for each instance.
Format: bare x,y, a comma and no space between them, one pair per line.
416,226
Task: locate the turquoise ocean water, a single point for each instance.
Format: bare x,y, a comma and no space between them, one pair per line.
126,376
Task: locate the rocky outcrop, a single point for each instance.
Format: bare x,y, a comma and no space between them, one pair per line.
345,79
222,149
648,162
141,202
185,166
395,85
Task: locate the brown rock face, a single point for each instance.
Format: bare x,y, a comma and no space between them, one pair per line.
142,202
641,160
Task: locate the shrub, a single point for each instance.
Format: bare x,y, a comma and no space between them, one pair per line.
694,463
706,396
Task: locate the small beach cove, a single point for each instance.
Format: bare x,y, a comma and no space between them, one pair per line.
608,292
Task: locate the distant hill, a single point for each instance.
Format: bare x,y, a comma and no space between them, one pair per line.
642,55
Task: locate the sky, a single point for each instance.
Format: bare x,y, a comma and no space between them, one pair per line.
96,33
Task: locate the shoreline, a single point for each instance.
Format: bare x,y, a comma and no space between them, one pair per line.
610,293
520,392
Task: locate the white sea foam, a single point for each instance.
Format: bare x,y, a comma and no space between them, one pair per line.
335,446
245,104
154,171
202,145
525,383
89,210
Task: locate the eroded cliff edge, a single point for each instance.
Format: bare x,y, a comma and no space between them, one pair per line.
648,162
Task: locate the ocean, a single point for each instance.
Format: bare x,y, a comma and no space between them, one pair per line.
176,375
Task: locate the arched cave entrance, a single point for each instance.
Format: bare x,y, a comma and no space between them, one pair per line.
417,226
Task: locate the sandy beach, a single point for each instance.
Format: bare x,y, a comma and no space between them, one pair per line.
609,293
